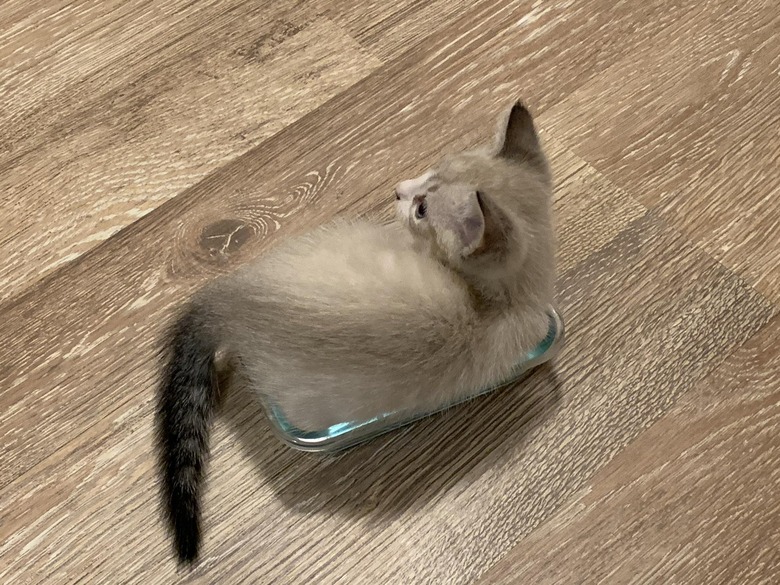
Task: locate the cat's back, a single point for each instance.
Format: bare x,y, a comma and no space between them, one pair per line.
353,266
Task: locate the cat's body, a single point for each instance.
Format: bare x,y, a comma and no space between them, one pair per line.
351,321
356,319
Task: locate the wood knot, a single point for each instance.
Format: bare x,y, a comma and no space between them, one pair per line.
225,237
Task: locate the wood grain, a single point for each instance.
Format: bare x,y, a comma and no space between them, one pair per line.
63,337
689,125
283,517
108,147
389,29
589,210
651,315
694,499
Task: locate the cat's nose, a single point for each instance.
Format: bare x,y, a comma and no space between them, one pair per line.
404,190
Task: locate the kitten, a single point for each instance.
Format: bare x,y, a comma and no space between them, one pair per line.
356,319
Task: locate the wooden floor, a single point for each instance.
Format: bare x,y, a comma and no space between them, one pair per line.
148,145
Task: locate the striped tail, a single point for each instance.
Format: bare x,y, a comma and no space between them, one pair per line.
186,402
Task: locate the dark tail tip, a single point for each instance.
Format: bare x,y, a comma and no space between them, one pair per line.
186,534
181,495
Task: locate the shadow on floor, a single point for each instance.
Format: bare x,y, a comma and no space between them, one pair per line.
405,469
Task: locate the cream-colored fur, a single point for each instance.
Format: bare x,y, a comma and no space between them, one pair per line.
355,319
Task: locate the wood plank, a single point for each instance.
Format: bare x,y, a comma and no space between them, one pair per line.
648,315
693,499
58,59
121,132
689,125
589,210
388,29
63,338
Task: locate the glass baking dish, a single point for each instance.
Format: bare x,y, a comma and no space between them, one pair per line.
348,434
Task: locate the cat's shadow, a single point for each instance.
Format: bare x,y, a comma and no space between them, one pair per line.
405,469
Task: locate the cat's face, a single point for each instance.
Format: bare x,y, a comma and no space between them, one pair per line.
479,204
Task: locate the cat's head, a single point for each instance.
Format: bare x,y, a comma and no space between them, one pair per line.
484,209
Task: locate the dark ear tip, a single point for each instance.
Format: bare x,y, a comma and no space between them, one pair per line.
518,139
519,108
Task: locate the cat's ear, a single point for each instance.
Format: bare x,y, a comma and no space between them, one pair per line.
517,138
462,225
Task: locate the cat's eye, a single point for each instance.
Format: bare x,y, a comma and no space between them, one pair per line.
421,210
